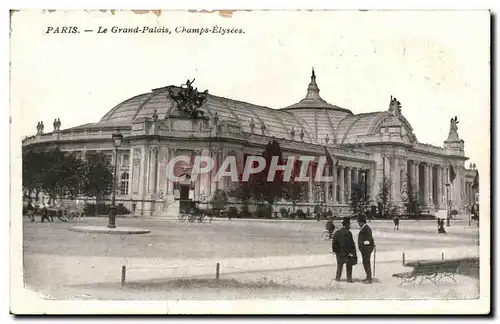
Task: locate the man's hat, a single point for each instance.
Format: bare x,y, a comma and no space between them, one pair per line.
361,218
346,221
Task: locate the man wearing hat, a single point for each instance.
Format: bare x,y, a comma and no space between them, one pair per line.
365,245
345,250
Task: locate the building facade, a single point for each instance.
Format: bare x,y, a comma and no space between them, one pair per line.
366,148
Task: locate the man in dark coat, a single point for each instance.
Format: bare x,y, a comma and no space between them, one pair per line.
345,250
366,245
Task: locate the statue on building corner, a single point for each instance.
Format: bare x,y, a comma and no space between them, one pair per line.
453,133
394,107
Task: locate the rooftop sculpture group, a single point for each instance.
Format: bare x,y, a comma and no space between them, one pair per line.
189,100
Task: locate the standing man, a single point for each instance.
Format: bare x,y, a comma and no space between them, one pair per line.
365,245
345,250
396,223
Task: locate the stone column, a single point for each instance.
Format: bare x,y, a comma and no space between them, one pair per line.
349,184
153,165
169,187
215,157
416,184
396,190
310,183
432,193
197,180
355,175
327,185
334,184
342,185
143,176
372,174
387,167
440,188
426,184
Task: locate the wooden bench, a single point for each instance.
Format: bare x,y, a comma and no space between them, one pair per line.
433,271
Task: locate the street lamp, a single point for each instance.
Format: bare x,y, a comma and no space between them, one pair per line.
447,205
117,142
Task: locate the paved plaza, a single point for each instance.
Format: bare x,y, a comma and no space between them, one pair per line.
257,259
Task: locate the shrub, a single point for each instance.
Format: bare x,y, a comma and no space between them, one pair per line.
454,212
103,209
300,214
284,212
233,212
244,211
264,211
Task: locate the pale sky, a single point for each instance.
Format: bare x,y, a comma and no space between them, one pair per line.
436,63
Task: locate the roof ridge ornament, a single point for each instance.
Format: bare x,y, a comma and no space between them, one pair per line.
252,125
312,89
394,107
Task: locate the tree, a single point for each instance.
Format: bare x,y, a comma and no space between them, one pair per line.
359,200
219,200
411,199
384,197
294,191
53,174
270,190
33,163
98,176
73,169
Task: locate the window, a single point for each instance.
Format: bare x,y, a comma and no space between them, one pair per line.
125,160
124,184
108,158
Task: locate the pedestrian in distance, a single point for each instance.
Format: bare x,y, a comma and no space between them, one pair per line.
345,250
366,245
330,227
396,223
45,212
441,229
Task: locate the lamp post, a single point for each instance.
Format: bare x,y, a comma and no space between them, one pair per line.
117,138
447,205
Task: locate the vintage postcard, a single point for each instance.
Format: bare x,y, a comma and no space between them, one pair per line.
250,162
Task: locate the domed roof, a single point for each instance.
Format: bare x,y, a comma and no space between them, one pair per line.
320,122
322,116
277,123
314,100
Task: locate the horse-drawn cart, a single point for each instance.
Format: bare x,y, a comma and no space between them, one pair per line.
194,210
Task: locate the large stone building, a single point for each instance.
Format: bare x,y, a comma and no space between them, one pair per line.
366,147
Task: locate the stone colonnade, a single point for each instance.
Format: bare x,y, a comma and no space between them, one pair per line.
149,179
428,179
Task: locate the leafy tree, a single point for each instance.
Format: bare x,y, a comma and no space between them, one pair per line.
73,169
258,187
52,177
98,176
273,189
411,199
33,163
384,197
294,191
219,200
359,200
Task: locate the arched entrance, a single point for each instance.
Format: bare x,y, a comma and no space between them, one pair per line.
184,187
